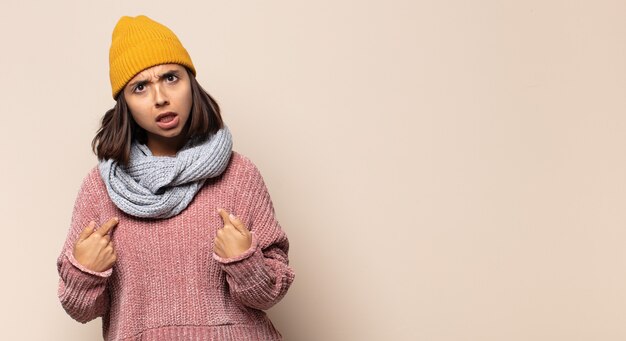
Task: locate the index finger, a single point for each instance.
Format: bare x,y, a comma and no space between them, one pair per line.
224,214
238,223
107,227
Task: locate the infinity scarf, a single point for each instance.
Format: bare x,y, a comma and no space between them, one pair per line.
162,186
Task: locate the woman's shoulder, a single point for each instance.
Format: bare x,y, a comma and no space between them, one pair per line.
94,174
242,166
240,161
92,180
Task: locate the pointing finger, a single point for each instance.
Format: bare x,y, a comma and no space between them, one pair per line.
224,214
237,223
107,227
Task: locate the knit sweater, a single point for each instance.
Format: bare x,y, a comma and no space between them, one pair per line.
167,283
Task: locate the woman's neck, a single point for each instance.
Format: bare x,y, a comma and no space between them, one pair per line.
160,146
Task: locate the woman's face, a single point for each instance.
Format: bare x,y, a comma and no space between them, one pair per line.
159,99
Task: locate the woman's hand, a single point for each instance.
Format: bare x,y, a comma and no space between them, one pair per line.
233,239
94,248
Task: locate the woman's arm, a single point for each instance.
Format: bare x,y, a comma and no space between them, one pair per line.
82,292
261,276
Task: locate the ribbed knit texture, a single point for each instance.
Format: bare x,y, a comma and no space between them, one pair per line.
138,43
162,186
167,283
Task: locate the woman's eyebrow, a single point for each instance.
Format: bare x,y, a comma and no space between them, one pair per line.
161,76
168,73
132,84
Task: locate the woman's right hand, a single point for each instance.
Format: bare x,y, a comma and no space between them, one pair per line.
94,248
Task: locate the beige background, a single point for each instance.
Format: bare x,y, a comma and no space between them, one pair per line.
445,170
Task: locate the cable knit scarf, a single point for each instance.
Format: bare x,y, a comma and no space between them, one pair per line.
162,186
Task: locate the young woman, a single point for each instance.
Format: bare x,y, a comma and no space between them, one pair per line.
173,235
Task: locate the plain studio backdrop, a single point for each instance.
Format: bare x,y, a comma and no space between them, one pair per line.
445,170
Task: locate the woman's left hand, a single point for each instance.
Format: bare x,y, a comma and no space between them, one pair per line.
233,239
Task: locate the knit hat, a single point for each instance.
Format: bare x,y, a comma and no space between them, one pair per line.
139,43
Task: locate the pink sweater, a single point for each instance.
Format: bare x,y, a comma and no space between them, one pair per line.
167,283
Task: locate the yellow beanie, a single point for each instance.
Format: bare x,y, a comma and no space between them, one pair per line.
139,43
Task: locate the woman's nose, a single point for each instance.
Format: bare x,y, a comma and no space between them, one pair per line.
160,98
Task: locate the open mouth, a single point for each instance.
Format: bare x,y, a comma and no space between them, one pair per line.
167,120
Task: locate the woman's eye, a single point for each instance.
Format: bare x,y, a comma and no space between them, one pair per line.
139,88
171,78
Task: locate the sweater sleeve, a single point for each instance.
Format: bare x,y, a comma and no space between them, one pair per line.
261,276
82,292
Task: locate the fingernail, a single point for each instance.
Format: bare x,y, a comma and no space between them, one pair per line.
232,216
117,220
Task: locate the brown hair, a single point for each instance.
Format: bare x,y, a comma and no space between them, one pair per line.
119,129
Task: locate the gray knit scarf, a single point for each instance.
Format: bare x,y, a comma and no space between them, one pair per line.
162,186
